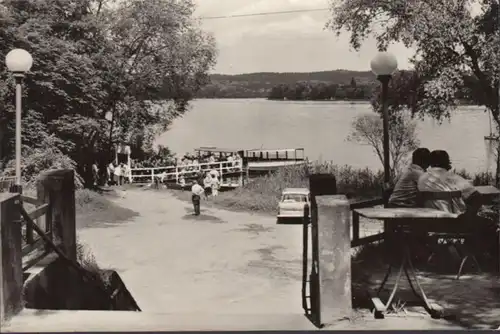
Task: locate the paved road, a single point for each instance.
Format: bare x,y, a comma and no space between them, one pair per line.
219,262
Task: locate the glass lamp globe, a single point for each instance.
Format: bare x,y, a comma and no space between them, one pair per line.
18,61
384,63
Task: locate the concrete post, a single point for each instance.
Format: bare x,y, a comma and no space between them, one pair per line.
334,244
11,282
57,188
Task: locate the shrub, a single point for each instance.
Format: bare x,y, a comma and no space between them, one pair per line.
35,161
478,179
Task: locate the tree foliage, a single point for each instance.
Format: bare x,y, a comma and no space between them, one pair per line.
368,130
320,91
98,57
457,44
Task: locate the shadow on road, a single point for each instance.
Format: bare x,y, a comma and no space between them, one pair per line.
202,217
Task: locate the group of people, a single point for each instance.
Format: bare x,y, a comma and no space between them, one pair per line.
118,175
191,163
192,167
211,185
432,172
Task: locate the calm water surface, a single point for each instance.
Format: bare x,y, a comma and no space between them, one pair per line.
321,129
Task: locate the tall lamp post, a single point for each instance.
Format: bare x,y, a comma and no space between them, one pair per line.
19,62
383,66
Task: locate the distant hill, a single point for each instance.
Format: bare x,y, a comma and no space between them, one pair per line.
258,85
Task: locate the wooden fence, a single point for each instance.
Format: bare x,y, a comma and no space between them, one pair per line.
31,229
230,173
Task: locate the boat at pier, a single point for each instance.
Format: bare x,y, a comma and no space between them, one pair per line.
233,173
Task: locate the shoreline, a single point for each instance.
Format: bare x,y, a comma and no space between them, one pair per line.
314,101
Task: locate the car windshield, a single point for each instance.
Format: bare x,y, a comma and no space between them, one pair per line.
294,197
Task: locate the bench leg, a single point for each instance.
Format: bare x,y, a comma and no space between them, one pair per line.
379,307
406,265
434,309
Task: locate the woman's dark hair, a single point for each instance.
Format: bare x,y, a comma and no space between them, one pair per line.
421,157
440,158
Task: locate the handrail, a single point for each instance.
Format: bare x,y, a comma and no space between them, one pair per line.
356,240
30,200
367,203
216,163
180,170
73,264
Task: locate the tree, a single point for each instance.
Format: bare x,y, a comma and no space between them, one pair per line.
368,130
454,40
91,58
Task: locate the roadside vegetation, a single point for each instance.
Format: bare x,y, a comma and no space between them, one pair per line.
262,194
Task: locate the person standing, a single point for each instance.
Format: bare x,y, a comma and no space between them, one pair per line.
126,173
207,184
95,174
215,185
111,173
196,192
118,175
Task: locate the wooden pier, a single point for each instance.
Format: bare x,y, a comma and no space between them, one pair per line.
232,174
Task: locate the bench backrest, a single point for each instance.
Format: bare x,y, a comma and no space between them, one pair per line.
447,196
473,202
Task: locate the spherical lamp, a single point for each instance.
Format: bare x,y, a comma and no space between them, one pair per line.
384,63
18,61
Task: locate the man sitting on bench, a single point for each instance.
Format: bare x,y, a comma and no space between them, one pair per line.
405,193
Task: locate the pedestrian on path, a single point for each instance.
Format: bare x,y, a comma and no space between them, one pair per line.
95,174
207,184
118,175
196,192
215,185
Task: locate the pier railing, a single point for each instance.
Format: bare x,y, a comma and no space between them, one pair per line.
275,155
173,173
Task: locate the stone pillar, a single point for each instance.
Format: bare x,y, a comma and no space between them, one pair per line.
57,188
334,244
11,271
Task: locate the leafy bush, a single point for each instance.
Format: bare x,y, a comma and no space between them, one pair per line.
35,161
478,179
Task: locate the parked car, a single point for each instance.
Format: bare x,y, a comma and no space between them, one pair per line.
292,203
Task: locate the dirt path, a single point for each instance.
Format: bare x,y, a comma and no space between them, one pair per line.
219,262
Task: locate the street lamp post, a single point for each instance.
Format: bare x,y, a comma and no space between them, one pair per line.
383,66
18,61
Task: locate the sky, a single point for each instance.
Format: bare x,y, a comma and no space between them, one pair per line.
293,42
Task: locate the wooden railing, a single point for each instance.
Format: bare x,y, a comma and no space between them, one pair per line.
32,228
356,240
171,173
33,245
277,154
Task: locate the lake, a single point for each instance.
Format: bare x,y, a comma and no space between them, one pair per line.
321,129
